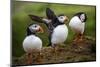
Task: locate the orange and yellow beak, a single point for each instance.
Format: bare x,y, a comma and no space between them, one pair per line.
66,19
40,30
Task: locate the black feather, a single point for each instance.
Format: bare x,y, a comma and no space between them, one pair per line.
36,18
30,32
50,14
79,13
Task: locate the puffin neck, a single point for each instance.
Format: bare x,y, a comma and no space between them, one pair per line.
58,23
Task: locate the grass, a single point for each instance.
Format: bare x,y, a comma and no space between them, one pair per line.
20,21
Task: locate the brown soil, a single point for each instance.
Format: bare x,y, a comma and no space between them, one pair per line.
74,52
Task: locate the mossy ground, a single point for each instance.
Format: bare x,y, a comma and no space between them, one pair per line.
74,52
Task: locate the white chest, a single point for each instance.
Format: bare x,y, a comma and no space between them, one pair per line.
32,42
76,25
59,34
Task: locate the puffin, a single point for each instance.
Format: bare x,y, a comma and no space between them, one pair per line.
43,20
77,24
32,43
57,28
60,31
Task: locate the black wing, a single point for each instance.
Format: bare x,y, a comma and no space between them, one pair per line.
36,18
50,14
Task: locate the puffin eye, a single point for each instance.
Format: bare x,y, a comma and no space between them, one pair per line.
61,17
35,26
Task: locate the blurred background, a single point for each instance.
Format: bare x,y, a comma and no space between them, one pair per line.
20,21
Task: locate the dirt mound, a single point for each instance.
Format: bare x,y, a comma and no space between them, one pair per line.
74,52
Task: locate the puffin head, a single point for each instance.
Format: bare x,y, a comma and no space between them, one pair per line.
34,28
62,18
82,16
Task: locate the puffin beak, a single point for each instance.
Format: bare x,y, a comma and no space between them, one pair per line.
66,18
40,30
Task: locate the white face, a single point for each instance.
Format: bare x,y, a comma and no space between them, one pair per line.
82,17
34,27
62,18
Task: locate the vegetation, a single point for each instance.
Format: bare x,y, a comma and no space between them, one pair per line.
83,51
20,21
